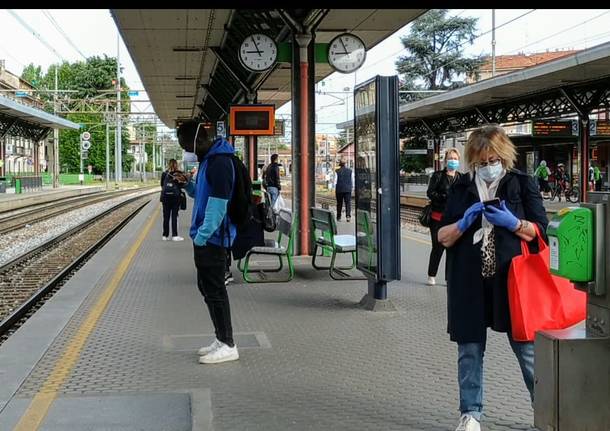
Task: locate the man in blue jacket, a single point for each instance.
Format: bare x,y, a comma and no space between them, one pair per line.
212,232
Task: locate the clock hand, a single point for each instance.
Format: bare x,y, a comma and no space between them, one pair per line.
344,47
256,46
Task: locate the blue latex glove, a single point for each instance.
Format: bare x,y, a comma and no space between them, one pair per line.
470,216
501,217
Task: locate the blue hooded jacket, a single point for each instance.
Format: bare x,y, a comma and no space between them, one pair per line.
210,221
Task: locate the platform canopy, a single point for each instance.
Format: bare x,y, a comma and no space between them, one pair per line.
580,81
18,119
176,52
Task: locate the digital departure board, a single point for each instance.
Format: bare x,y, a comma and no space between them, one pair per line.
555,128
249,120
599,127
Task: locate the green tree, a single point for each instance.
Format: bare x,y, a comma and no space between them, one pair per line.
435,55
93,81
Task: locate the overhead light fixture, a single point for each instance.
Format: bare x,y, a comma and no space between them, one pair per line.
182,96
184,109
186,78
188,48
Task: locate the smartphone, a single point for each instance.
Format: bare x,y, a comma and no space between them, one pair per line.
492,202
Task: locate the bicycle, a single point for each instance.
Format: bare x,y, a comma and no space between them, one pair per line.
572,194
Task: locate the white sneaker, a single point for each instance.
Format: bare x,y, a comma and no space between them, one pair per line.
165,238
431,281
208,349
177,238
468,423
223,354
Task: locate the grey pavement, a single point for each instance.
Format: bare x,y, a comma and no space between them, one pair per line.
310,358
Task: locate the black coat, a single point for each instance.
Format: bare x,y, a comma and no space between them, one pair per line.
272,176
438,187
471,306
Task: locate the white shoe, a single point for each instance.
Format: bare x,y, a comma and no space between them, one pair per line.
165,238
177,238
208,349
431,281
223,354
468,423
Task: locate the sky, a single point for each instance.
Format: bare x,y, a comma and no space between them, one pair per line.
94,32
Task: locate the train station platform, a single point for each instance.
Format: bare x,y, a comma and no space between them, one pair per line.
11,200
116,349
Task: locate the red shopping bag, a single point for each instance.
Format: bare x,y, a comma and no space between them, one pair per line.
539,300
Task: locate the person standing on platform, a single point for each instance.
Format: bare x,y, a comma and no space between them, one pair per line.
438,189
481,240
172,180
542,174
212,232
271,179
597,177
343,191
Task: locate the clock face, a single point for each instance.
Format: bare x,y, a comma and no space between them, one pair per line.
258,52
346,53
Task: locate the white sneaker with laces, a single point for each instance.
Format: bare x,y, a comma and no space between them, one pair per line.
177,238
431,281
223,354
208,349
165,238
468,423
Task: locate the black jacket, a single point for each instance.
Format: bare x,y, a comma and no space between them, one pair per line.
272,176
471,307
344,180
438,187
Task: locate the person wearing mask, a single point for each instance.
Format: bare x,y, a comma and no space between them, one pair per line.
172,180
481,240
438,188
343,191
272,179
542,174
212,232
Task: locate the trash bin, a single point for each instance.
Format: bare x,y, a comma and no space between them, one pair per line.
2,184
18,185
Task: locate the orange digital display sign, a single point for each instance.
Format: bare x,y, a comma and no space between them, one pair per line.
553,128
252,120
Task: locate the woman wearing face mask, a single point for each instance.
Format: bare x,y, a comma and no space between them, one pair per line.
437,193
481,241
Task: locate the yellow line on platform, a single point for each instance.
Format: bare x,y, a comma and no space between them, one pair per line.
44,398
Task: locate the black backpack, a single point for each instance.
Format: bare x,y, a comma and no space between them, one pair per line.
242,192
171,189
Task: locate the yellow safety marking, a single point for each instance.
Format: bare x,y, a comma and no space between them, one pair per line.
44,398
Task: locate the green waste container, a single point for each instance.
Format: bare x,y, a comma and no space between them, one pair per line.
18,185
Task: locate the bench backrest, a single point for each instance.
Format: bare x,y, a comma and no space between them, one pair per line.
286,227
323,220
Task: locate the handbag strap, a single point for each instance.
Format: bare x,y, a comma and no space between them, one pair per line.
525,250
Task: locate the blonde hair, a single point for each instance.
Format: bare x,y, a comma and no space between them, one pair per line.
490,138
172,165
454,151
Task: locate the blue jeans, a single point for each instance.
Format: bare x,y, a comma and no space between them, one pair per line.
273,194
470,373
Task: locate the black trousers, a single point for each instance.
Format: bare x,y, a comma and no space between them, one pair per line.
341,198
210,261
437,249
170,209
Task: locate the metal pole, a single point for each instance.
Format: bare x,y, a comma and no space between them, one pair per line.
118,155
584,156
154,160
493,42
55,137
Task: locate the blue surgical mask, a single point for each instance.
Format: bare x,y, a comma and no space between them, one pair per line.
490,173
452,165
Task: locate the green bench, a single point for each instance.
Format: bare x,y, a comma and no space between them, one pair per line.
325,238
286,230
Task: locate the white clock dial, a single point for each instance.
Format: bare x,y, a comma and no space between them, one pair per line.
346,53
258,52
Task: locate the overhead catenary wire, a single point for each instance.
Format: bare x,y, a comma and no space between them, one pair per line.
60,30
35,33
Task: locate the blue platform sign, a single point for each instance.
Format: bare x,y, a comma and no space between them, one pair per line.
21,93
133,93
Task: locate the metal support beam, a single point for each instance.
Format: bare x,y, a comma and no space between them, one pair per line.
219,57
8,129
211,96
579,109
483,117
584,156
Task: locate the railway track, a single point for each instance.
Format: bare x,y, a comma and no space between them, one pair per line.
28,280
409,210
22,217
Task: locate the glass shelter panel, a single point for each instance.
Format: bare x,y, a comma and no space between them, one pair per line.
365,119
